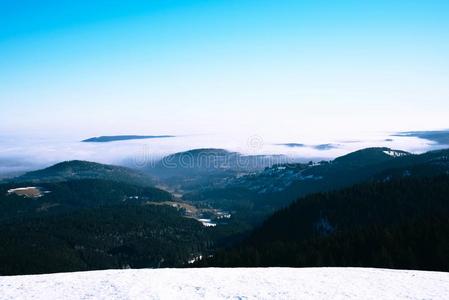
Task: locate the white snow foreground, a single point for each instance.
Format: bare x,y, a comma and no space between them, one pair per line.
239,283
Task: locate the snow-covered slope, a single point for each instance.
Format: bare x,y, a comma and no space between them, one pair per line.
213,283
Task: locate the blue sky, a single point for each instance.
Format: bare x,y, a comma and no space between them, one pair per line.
278,68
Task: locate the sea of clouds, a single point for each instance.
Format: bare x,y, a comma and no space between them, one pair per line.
19,153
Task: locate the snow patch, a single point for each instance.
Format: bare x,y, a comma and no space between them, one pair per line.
29,192
230,283
394,153
207,222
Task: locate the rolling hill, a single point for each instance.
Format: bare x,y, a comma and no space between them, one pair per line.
71,195
279,185
77,169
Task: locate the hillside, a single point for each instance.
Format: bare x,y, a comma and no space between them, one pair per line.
117,237
275,187
71,195
369,156
399,223
269,283
210,160
76,169
91,224
193,170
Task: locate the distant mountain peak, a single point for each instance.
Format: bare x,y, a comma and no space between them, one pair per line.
116,138
371,155
209,151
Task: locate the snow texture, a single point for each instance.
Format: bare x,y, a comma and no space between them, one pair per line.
238,283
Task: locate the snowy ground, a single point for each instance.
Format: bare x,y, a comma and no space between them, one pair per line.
263,283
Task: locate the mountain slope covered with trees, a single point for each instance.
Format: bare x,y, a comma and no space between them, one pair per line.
401,223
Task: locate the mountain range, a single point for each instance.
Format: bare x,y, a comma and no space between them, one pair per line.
375,207
277,186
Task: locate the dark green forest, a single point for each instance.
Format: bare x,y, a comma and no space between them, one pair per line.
93,224
397,224
128,236
75,194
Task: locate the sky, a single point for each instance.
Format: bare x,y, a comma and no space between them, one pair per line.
281,69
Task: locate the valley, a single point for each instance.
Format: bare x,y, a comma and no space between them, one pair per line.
214,211
207,216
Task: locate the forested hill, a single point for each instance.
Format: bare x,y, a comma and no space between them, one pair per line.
91,224
402,223
57,197
78,169
264,192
